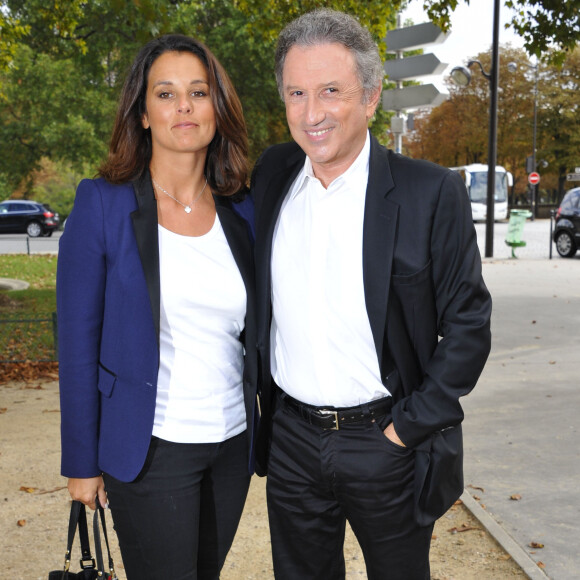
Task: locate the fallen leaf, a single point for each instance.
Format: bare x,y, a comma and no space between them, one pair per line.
3,410
536,545
433,537
477,487
458,502
21,523
27,489
463,528
533,322
541,565
552,362
505,557
52,490
515,496
476,498
28,372
51,411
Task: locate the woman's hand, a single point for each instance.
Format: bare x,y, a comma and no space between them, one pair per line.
87,489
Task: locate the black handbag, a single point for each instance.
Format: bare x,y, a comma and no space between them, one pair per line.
90,569
438,474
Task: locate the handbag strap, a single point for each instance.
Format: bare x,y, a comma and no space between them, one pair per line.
78,519
100,513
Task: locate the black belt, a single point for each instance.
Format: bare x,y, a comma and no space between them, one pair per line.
330,418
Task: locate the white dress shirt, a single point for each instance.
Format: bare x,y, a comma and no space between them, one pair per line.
322,346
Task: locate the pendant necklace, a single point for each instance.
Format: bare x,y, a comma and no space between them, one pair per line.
187,208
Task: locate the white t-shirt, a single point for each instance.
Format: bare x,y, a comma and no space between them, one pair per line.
203,307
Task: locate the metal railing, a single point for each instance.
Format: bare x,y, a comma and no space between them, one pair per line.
29,339
24,244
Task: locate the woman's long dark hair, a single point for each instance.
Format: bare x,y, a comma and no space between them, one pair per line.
130,150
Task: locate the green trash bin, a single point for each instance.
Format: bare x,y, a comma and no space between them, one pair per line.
515,230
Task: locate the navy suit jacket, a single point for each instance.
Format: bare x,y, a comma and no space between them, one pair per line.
108,301
427,304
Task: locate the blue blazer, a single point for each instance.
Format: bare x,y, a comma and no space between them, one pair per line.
108,302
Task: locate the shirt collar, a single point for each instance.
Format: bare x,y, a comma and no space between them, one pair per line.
351,175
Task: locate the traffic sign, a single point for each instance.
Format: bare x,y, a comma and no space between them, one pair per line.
404,69
413,97
412,37
534,178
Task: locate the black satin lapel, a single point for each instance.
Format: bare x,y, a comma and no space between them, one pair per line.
380,228
145,224
266,219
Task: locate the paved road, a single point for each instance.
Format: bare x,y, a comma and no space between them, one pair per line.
536,234
22,244
522,420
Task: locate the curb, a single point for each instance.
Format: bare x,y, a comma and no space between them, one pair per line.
11,284
517,553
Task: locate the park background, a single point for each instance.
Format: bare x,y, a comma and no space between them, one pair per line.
62,65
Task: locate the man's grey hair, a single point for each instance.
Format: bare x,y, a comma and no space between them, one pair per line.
324,26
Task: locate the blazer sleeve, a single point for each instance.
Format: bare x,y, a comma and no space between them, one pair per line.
462,306
81,277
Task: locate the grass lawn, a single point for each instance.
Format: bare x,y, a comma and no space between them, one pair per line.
26,329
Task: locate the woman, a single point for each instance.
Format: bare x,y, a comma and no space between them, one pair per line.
155,303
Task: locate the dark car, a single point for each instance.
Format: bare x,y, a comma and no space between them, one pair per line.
27,217
567,231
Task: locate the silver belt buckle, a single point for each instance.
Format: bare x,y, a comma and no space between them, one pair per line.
329,412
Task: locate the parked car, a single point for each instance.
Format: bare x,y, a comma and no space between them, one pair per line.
567,230
27,217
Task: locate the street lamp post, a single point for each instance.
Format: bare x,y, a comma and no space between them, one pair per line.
534,163
461,76
512,67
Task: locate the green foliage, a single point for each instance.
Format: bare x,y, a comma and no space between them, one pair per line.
249,61
49,109
559,116
545,25
62,65
55,184
268,17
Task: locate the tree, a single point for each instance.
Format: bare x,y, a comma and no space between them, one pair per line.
79,51
545,25
559,118
49,108
456,132
62,65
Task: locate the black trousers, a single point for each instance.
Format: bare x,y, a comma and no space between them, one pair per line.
178,519
318,479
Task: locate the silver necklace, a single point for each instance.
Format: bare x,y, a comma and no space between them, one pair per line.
187,208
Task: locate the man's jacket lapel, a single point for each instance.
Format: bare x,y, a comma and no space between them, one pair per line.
380,228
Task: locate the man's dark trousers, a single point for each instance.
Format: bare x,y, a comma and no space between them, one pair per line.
318,478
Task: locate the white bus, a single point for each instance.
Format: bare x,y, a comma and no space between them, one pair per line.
475,177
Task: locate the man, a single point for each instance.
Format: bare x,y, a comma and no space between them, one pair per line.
373,316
